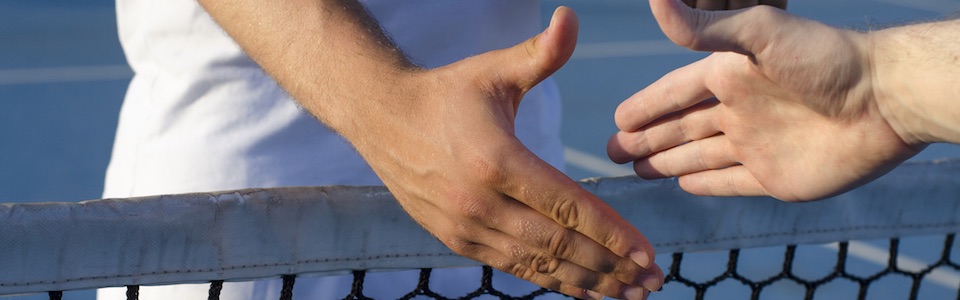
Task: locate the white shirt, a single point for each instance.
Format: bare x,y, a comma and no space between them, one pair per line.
200,115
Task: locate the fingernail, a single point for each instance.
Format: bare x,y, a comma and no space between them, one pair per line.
634,293
553,19
651,282
641,258
594,295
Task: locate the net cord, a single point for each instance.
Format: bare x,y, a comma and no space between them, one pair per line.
266,233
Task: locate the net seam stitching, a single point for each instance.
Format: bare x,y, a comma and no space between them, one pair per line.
188,271
755,236
811,231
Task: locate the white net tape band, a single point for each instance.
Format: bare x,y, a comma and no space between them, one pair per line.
261,233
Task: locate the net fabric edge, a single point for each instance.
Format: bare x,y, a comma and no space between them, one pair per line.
261,233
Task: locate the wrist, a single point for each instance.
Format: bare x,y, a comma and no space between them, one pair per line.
892,71
371,101
915,84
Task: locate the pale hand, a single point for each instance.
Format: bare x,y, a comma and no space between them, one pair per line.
787,109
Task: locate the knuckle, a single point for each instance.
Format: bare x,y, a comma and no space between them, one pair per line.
559,244
521,271
470,208
566,212
463,247
683,127
641,145
701,160
486,169
621,244
626,270
621,267
544,264
731,186
674,96
541,60
530,47
536,261
462,229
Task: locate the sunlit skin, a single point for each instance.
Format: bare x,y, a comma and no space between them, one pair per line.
798,111
442,140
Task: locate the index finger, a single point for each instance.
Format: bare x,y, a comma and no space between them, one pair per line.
676,91
553,194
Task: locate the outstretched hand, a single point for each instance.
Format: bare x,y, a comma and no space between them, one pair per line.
449,154
785,108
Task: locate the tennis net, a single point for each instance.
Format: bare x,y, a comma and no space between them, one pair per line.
290,233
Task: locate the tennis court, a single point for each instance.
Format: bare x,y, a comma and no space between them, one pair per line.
63,76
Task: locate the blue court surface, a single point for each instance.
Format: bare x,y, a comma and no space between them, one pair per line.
63,77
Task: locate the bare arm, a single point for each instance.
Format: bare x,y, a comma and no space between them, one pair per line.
442,141
327,54
918,80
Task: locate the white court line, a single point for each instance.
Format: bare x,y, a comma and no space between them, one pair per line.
627,49
861,250
594,164
65,74
880,256
942,7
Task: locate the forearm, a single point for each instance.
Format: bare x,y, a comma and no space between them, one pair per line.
330,55
917,79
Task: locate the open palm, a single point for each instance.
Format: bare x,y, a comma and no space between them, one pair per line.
787,111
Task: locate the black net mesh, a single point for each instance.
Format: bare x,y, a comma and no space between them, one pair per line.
677,278
810,285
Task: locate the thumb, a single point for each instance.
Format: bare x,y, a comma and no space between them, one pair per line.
527,64
745,31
